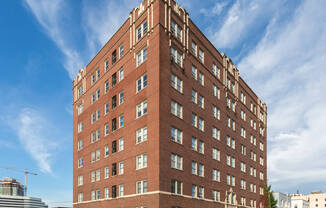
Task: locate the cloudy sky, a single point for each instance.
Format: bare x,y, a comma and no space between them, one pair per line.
279,47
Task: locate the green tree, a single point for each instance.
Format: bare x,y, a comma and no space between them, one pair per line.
270,201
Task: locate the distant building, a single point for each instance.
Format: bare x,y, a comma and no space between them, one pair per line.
11,187
299,203
283,200
316,199
12,195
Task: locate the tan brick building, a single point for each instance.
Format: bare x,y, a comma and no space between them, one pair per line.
162,119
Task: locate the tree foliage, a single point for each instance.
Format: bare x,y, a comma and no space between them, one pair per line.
270,201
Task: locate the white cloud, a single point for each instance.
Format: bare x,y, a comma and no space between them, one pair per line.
286,69
216,10
33,132
239,21
51,15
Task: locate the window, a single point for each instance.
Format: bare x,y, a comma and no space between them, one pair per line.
92,118
114,79
114,191
243,98
98,134
216,71
194,48
121,51
93,176
80,162
216,91
114,101
176,56
201,55
98,114
141,56
121,190
141,109
201,101
92,157
121,168
80,180
98,154
176,30
141,135
80,197
114,169
194,168
98,94
261,176
201,169
243,149
176,83
106,150
194,72
141,161
194,191
106,65
216,133
176,109
121,144
141,30
216,175
176,161
121,74
261,161
80,145
92,195
216,195
176,135
201,78
194,96
106,172
141,82
80,109
98,175
106,129
194,143
216,112
80,127
201,147
261,146
106,108
80,91
243,115
201,124
243,167
243,184
141,187
200,192
114,146
121,118
92,79
93,137
114,56
106,193
93,98
243,132
176,187
216,154
194,120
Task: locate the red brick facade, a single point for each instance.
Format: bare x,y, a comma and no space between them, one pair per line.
248,115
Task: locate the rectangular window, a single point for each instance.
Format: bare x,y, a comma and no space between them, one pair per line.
216,133
216,71
176,30
201,124
194,72
200,192
80,109
194,191
106,65
201,170
141,109
106,129
121,144
98,134
114,191
80,180
216,175
93,176
114,56
80,197
80,145
141,56
201,101
92,118
201,147
121,190
98,94
98,154
194,48
114,79
216,112
141,135
93,195
92,79
80,127
121,74
121,51
121,121
194,96
114,101
194,120
114,146
194,144
106,193
98,175
216,154
106,108
176,161
141,187
98,114
80,91
121,96
106,172
216,91
176,109
176,187
106,150
201,55
121,168
216,195
201,78
141,161
176,83
194,168
176,56
141,30
176,135
114,169
114,124
141,82
106,86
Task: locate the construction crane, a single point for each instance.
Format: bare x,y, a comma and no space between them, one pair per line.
22,171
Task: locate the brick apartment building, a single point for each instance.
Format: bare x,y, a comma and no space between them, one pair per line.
162,119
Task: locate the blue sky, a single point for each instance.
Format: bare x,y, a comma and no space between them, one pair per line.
279,47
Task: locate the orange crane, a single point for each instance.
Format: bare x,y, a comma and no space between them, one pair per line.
22,171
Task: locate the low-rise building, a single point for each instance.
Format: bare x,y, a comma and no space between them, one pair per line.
283,200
